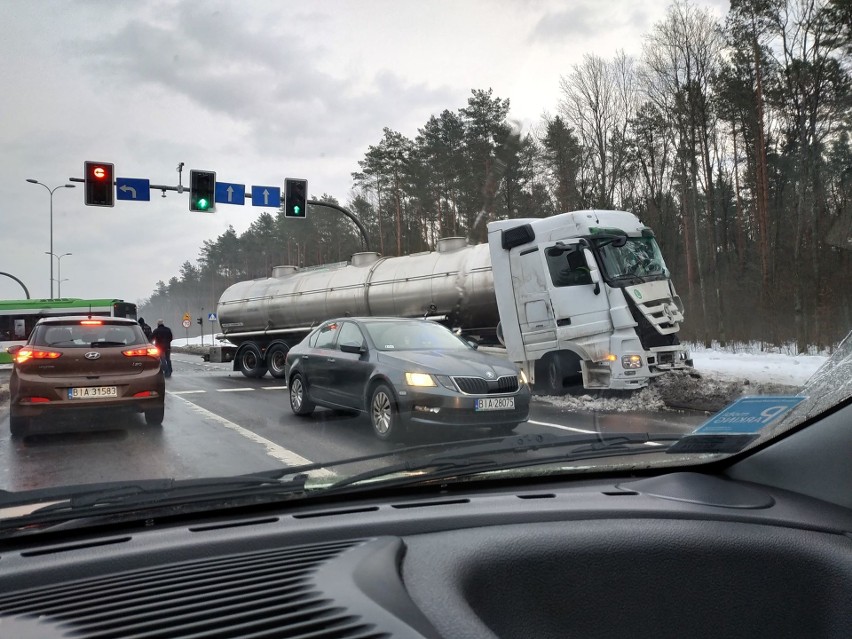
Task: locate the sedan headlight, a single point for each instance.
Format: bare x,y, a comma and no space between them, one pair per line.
523,377
419,379
631,361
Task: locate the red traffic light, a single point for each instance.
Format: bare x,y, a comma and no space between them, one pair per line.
99,184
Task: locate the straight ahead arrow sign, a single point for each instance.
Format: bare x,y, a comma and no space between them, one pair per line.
227,193
266,196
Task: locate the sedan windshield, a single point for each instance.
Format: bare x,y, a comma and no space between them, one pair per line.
413,336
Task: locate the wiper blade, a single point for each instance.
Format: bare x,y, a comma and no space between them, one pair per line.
155,493
474,459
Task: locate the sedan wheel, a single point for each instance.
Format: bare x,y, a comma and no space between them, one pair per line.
300,403
384,416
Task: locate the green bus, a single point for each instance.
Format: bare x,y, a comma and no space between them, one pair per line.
17,317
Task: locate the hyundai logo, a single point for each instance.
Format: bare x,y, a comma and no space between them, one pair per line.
92,355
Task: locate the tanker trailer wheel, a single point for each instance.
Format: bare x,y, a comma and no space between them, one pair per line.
276,358
250,362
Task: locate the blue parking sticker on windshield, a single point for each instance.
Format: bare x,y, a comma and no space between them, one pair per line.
748,415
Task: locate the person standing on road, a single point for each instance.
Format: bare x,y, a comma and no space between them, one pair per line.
146,329
163,340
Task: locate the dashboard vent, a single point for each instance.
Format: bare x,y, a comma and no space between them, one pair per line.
263,595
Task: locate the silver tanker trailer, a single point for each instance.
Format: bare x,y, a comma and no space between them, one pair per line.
578,296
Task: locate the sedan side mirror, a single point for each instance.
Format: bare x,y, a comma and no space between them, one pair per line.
14,349
353,348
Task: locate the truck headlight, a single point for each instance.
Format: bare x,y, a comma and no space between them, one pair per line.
631,361
419,379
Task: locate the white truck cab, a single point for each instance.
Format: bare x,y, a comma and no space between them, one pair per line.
585,295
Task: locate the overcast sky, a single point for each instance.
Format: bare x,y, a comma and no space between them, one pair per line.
256,91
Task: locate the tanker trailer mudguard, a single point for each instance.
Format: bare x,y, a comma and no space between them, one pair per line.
583,295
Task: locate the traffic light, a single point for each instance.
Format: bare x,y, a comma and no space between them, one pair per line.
202,191
295,197
200,321
99,178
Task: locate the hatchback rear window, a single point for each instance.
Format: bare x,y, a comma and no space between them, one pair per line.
87,335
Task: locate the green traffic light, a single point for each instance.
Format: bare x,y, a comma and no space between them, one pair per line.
296,210
202,203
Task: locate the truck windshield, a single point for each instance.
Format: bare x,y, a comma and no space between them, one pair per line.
639,257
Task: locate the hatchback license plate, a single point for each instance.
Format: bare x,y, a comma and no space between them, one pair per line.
92,392
495,403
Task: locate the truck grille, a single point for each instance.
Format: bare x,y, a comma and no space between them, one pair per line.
482,386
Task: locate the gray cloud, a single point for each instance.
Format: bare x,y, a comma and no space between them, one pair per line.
584,21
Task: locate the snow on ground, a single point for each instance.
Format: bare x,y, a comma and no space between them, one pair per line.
750,363
197,341
721,375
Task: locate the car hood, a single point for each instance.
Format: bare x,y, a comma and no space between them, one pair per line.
470,363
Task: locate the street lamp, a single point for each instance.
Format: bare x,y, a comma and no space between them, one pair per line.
59,279
49,190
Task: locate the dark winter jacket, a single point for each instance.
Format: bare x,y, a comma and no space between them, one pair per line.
163,337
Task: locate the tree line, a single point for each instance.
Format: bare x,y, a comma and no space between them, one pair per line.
730,138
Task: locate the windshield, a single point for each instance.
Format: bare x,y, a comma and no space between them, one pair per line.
411,336
314,232
638,257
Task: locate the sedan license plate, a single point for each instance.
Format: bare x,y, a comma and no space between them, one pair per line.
495,403
92,392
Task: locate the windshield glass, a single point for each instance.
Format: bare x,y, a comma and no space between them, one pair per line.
323,231
639,257
411,336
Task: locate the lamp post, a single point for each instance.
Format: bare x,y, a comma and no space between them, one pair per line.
49,190
59,279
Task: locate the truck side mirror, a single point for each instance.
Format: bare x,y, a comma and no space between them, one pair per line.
594,273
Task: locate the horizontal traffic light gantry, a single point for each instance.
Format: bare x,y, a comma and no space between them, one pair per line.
202,191
99,178
295,197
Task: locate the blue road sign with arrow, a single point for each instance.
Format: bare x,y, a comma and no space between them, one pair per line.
266,196
136,189
227,193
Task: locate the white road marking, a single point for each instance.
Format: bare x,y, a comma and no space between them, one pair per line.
186,392
233,390
273,387
287,457
561,427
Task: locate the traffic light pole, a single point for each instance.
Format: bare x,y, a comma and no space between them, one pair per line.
350,215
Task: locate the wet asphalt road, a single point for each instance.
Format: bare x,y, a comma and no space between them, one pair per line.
221,423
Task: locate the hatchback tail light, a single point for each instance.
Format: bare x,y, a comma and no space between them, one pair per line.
91,322
150,351
28,353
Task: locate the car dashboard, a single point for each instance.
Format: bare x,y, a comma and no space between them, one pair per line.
672,555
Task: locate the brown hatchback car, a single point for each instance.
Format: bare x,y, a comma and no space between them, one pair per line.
74,363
